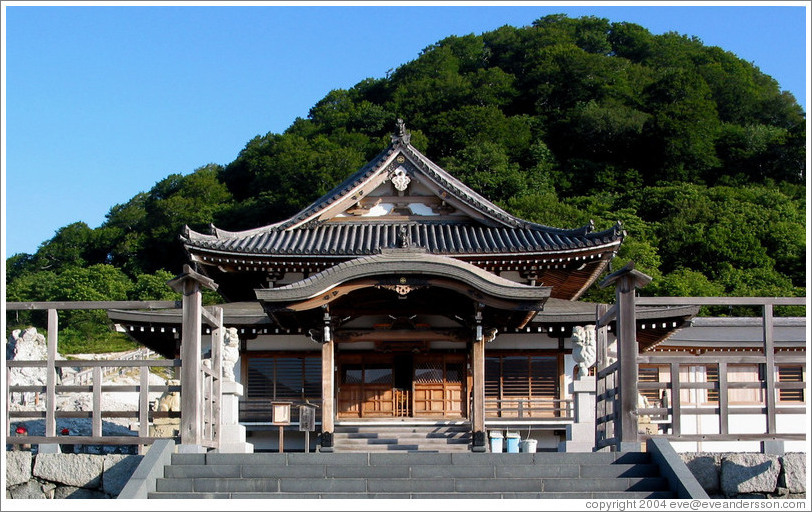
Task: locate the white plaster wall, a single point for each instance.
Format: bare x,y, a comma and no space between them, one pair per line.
740,424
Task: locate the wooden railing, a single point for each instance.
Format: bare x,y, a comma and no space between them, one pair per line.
606,405
528,409
201,402
85,377
766,357
144,415
402,403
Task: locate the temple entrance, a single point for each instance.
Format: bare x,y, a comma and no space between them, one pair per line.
401,385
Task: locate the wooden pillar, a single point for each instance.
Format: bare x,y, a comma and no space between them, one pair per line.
327,394
479,441
50,383
191,423
626,281
627,355
769,370
191,432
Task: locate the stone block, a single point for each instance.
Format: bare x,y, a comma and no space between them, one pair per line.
116,472
30,490
78,493
744,473
706,468
18,468
75,469
793,472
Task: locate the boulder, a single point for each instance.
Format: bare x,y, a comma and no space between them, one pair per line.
744,473
75,469
117,472
793,472
18,468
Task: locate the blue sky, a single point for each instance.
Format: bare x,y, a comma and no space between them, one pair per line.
100,102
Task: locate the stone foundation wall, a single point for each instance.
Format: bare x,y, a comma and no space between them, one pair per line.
749,475
67,475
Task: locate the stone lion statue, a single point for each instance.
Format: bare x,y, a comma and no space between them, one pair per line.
583,348
169,400
231,353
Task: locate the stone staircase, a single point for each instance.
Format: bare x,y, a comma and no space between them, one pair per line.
604,475
439,437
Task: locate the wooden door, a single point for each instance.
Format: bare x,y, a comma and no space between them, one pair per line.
439,390
365,387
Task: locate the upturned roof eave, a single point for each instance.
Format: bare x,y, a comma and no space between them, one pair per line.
404,262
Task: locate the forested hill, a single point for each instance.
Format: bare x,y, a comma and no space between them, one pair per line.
696,151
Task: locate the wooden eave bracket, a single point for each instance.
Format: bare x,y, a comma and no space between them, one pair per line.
177,284
640,279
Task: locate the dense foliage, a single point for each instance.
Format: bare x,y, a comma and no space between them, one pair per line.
697,152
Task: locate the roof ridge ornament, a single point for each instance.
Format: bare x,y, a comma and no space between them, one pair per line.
401,134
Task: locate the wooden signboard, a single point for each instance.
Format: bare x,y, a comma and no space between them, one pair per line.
280,416
281,413
307,418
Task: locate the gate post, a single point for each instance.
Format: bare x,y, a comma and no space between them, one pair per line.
191,417
626,281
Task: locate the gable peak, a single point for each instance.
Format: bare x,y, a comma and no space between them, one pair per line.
401,134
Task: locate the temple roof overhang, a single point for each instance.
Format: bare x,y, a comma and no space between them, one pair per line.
407,269
404,282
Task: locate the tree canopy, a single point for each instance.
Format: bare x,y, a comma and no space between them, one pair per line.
698,153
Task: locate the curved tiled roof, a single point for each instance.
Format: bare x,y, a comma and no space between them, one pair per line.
307,233
359,239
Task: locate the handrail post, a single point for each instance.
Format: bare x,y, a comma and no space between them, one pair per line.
191,429
217,334
50,383
97,401
143,406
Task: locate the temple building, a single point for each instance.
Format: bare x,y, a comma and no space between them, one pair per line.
402,299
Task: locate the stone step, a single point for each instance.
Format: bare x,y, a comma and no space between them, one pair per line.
408,475
409,485
408,438
406,471
402,440
402,435
376,459
399,429
428,495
